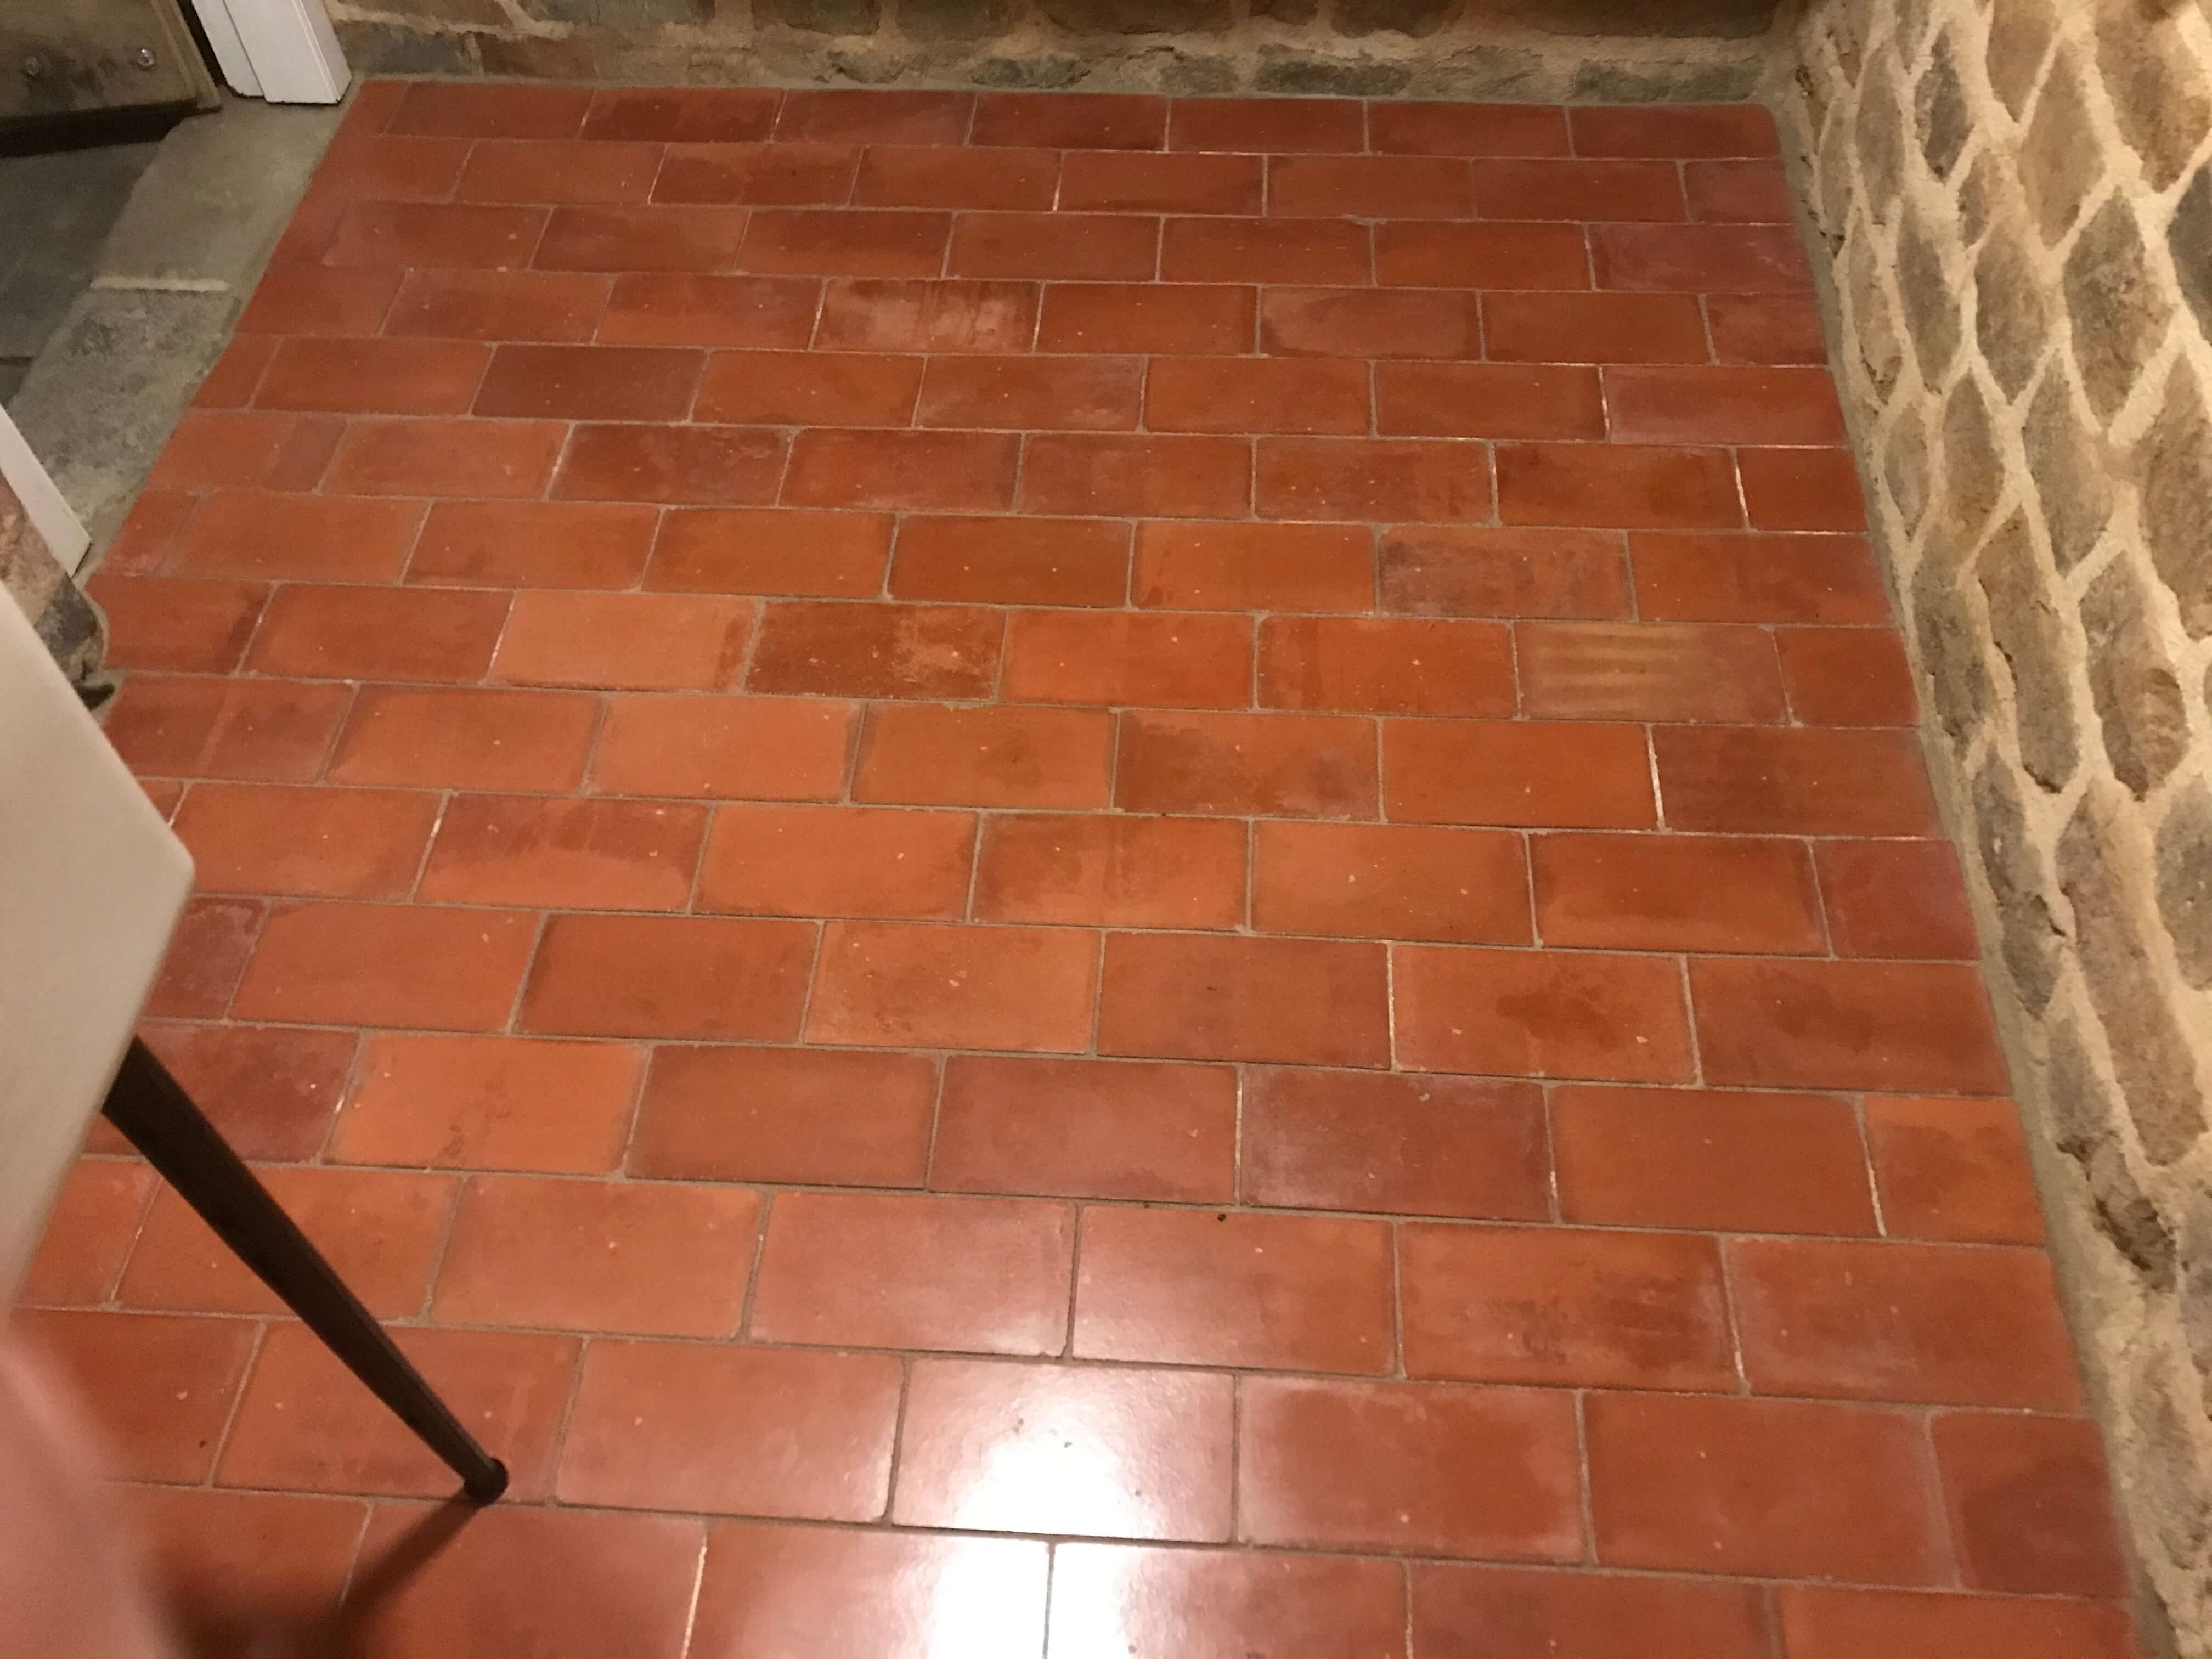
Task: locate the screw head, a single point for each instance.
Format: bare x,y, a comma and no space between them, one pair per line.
144,57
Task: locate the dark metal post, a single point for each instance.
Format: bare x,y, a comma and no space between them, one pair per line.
160,1120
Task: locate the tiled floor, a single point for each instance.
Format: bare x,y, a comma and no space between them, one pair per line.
1043,869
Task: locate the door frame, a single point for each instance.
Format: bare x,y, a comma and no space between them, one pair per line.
55,520
284,51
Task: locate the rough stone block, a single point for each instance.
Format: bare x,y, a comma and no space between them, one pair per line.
569,57
1287,11
2013,314
1140,16
954,20
1736,20
1294,72
822,16
2159,97
2175,459
1931,309
2119,312
2071,471
1410,17
2033,639
1953,652
2020,32
1878,134
1904,466
2060,158
2028,940
2137,695
621,14
2189,238
1940,112
390,49
2184,848
1973,473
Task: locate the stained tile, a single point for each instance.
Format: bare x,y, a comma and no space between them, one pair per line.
1954,1169
1209,997
2030,1504
271,1090
489,1102
159,1387
1085,1128
798,1116
954,986
1539,1013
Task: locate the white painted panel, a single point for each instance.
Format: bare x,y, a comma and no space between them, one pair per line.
229,51
51,516
289,45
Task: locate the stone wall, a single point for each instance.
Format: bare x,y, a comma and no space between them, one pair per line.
2017,195
1603,51
30,576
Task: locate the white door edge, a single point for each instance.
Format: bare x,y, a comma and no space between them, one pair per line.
55,520
284,51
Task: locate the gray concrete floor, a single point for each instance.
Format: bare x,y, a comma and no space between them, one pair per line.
58,208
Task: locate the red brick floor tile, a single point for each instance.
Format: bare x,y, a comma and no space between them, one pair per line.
148,531
771,551
837,242
1255,394
511,458
760,747
1259,250
311,537
443,235
1919,1322
451,737
1754,578
1730,259
703,465
1359,322
1541,1013
1066,393
1529,773
929,472
1254,566
984,561
1953,1170
1083,871
218,449
625,641
877,117
489,1102
1492,1613
370,633
1802,490
1724,1162
1630,487
364,164
230,1566
952,176
1452,571
1553,188
1299,1001
914,1271
955,317
463,110
1086,1128
1820,1622
1487,400
589,383
1369,479
1392,1467
1420,253
1794,782
1766,328
780,1592
1897,1026
158,1388
329,843
787,175
785,1115
1847,676
493,304
683,114
955,987
517,170
679,308
306,1425
382,964
578,855
1594,328
270,1089
878,650
1265,124
380,1229
1896,898
213,940
1774,405
1707,130
1119,1602
1136,476
1065,246
1552,1305
2030,1505
94,1222
1121,659
1350,665
236,374
165,622
598,1256
1058,121
1768,1487
725,977
1390,881
1419,129
1195,1287
634,239
1035,757
1113,1453
838,861
566,1585
1369,187
1134,181
1675,893
1415,1145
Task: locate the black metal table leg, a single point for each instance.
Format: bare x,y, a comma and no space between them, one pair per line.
160,1120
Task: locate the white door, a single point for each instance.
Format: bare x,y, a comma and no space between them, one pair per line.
284,51
50,515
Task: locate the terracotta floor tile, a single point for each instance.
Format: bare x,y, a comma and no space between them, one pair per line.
1846,1025
1084,1128
934,651
1896,898
1593,328
462,235
1136,476
1578,189
793,1116
1098,394
954,986
793,388
1757,577
183,626
1386,666
1119,1602
1953,1170
1565,1305
684,308
1733,258
2030,1505
1036,757
1370,186
328,843
597,1256
1113,121
1389,881
1847,677
1675,893
1423,129
589,383
214,939
505,459
772,1592
1448,571
1631,487
757,748
565,1584
1722,405
787,175
652,1428
983,561
1768,1487
344,300
231,1566
515,170
742,550
1264,124
159,1389
271,1090
721,977
1113,1453
1392,1466
1196,1287
874,314
218,449
454,738
631,239
489,1102
1235,765
1494,1613
952,176
490,305
1146,317
304,1424
1081,248
579,855
1417,1146
1794,782
1209,250
896,1271
838,861
1539,1013
1802,490
704,466
1820,1622
1920,1322
1361,322
1254,566
1722,1162
1132,181
832,242
625,641
1111,872
877,117
1255,394
383,964
377,633
310,537
1434,253
460,109
374,377
1671,671
364,162
94,1222
1191,997
683,114
1120,659
1488,400
532,544
929,472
